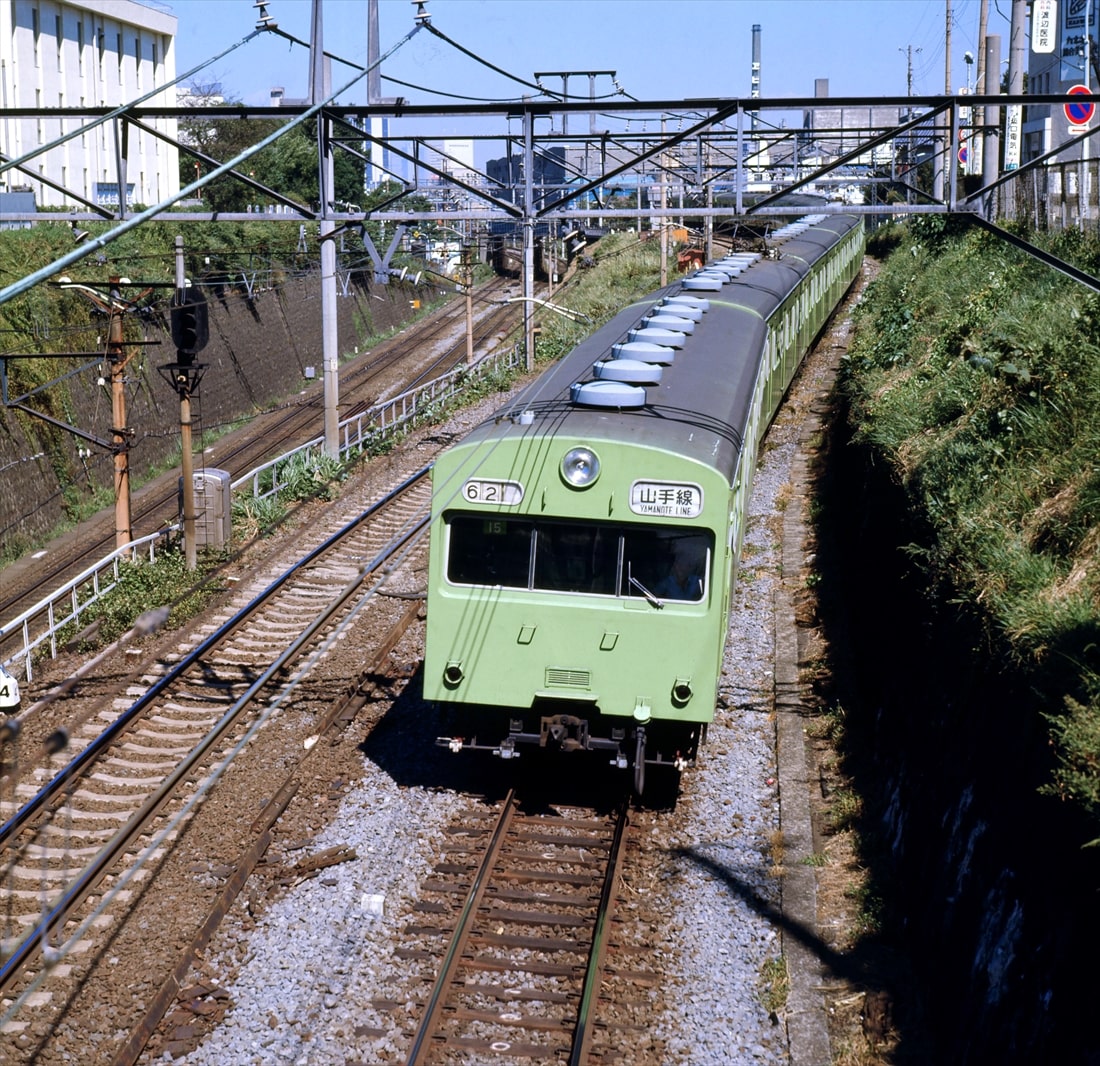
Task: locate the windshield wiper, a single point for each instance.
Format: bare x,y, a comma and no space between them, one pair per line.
644,591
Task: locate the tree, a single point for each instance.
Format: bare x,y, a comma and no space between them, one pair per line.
289,165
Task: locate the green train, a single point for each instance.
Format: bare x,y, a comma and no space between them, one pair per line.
585,540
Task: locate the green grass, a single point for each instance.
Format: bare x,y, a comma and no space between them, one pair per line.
974,375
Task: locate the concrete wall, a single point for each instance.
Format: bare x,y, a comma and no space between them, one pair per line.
987,883
259,348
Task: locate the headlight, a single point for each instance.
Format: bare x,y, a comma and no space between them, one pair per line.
580,467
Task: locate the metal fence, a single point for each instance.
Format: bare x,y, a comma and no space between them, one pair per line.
377,423
37,630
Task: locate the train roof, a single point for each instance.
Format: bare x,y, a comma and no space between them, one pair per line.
700,407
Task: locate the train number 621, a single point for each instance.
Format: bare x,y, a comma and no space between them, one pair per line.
483,490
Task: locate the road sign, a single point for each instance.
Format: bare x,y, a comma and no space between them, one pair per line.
1079,114
962,155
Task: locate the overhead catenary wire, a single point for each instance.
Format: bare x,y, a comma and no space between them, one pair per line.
141,217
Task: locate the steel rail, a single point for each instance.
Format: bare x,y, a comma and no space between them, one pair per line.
55,786
119,843
582,1037
451,959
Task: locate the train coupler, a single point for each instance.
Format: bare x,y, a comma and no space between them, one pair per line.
565,732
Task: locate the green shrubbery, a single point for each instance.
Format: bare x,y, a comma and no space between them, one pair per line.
975,373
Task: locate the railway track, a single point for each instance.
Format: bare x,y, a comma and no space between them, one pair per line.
425,350
74,850
518,924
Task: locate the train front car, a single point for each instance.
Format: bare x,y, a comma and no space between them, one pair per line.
584,542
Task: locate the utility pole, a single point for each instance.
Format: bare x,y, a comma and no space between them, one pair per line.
1017,61
183,385
991,152
329,342
468,284
528,239
114,307
664,204
910,171
939,179
188,318
120,432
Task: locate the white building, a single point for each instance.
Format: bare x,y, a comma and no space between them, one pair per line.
86,53
454,156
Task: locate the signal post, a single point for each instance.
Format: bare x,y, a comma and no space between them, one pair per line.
190,332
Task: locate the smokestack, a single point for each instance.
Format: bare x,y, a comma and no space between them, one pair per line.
754,83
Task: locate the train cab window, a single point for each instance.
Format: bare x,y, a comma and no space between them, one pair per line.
665,565
570,557
601,559
490,551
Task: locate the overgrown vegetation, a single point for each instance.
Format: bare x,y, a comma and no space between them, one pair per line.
625,269
143,587
974,374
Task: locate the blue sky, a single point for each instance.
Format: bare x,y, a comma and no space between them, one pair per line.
660,49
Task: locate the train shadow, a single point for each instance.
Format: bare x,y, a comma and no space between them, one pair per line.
402,744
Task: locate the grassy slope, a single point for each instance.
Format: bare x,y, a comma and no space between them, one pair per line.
975,375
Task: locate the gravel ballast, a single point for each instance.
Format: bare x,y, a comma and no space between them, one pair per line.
302,981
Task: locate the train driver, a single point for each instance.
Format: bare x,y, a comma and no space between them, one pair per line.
684,580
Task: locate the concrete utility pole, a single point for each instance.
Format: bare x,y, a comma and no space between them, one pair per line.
318,91
991,152
940,167
1017,63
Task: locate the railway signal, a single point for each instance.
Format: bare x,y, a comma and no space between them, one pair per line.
190,325
190,332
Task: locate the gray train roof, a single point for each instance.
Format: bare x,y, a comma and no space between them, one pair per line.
701,405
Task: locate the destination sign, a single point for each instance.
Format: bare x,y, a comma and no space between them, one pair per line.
671,499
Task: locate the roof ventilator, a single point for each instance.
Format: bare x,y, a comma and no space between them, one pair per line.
668,321
644,351
607,394
667,338
629,371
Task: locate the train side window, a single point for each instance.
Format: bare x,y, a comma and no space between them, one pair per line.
489,551
575,558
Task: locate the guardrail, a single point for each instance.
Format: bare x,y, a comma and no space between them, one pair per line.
378,422
64,606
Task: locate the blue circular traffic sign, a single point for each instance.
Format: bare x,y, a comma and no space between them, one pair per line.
1079,114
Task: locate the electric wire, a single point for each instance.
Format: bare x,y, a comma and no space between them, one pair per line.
496,100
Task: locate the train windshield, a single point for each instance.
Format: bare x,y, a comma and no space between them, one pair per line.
604,559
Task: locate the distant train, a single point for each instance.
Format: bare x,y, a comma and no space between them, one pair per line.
585,540
555,247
